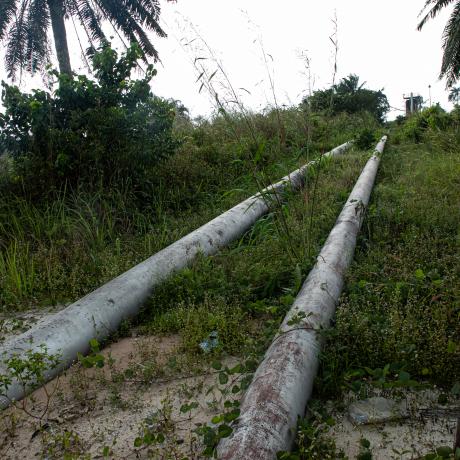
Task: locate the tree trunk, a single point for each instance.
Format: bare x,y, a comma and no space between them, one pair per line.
60,38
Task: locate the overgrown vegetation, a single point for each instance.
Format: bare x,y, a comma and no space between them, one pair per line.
101,174
397,322
106,131
254,281
400,305
409,300
350,97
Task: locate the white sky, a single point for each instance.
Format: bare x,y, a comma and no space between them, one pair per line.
377,40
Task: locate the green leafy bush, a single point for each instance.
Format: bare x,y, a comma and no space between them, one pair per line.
100,130
366,139
429,119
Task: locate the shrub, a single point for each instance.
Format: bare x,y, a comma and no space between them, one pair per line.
432,118
350,97
365,139
105,129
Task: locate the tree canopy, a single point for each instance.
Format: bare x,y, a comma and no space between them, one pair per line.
106,128
25,24
351,97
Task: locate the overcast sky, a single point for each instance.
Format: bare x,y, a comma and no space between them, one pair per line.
378,41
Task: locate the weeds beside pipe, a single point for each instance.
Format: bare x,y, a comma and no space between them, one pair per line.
283,382
99,314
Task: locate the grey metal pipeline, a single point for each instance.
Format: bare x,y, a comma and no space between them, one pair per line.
283,381
99,314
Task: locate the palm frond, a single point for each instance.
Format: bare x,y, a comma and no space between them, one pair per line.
146,13
15,57
117,16
454,95
124,20
438,6
38,22
88,18
7,10
450,67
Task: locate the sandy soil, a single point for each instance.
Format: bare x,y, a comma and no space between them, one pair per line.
428,426
98,413
142,387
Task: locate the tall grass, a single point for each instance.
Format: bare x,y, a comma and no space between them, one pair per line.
17,269
66,244
255,275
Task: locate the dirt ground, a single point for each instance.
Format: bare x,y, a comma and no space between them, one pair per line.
427,426
92,412
144,383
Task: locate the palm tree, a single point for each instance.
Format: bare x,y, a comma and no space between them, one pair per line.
24,26
454,95
350,84
450,67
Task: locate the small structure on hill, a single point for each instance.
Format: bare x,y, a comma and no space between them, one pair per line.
413,104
